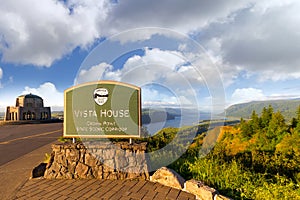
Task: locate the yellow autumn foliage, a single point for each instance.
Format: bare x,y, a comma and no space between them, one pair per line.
231,141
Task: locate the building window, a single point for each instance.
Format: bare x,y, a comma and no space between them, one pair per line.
28,115
33,116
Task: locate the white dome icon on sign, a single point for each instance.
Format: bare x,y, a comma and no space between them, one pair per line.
101,96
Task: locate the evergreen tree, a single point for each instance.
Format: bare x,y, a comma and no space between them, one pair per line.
266,116
255,122
294,123
296,120
246,129
297,129
277,128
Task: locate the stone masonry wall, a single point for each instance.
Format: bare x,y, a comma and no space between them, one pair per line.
100,160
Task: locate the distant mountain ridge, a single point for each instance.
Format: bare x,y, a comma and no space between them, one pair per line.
287,107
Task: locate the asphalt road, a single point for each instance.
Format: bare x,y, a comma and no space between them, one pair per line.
18,140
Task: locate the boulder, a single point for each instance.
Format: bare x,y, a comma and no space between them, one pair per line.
203,191
168,177
221,197
198,188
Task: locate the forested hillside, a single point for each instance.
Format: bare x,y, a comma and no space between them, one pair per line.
286,107
256,159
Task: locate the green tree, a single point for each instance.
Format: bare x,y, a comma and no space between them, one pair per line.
276,130
298,114
266,116
294,123
255,122
298,120
246,129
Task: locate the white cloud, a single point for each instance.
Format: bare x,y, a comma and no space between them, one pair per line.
93,74
255,36
155,66
156,97
165,58
279,74
242,95
261,39
152,97
174,14
161,67
52,97
258,38
40,33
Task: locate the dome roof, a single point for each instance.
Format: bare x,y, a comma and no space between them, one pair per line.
30,96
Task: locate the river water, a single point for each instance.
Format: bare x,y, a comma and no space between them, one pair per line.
179,121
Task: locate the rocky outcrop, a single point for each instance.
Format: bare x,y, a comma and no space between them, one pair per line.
168,177
100,160
203,191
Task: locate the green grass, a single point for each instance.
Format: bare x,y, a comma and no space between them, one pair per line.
47,158
232,180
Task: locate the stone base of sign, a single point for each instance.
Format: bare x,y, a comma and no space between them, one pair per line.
99,160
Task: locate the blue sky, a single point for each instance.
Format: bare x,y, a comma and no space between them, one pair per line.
204,54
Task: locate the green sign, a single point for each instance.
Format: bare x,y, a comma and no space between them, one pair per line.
103,109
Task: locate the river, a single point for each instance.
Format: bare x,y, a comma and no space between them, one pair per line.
179,121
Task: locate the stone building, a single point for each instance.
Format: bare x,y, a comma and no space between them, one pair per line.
28,107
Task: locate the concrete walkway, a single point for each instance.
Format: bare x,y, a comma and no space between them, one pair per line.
98,189
15,183
16,172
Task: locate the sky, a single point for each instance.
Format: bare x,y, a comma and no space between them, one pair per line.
195,54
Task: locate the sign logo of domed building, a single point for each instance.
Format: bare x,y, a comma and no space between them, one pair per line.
28,107
101,96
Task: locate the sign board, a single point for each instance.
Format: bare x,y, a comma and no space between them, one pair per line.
103,109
